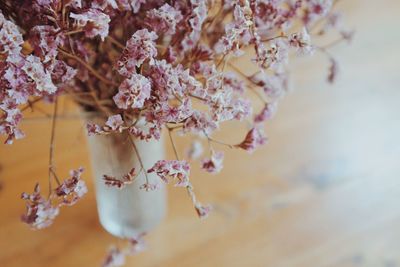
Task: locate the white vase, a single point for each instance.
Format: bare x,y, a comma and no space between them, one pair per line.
129,211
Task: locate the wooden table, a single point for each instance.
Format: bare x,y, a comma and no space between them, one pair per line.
324,192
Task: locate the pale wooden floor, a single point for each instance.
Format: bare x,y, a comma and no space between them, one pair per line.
325,192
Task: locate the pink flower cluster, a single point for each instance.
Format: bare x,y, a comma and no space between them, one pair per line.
41,211
174,169
122,182
116,256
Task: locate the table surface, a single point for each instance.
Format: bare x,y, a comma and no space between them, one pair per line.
324,192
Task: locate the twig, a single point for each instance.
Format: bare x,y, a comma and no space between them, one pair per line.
219,142
74,32
116,42
52,145
88,67
30,103
333,43
138,156
173,143
248,78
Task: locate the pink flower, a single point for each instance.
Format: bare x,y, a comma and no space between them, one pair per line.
120,183
302,42
200,123
215,163
274,85
199,14
150,186
45,41
136,244
93,129
133,92
94,22
39,211
153,131
140,47
236,32
174,169
114,123
134,4
10,37
254,138
33,67
203,211
164,19
73,189
115,258
9,121
275,56
266,113
231,82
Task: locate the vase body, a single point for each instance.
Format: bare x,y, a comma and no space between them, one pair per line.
129,211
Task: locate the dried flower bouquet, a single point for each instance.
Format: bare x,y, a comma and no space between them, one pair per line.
167,64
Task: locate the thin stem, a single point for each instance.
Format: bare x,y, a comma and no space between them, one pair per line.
333,43
198,97
248,78
88,67
259,96
173,143
30,103
52,145
139,157
216,141
74,32
174,127
219,142
274,38
115,42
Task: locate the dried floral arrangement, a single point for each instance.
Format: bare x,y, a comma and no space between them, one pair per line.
164,63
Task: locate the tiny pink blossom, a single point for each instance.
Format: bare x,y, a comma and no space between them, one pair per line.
254,138
115,258
302,42
10,37
33,67
136,244
93,129
94,22
140,47
200,122
215,163
203,211
150,186
120,183
175,169
164,19
73,189
133,92
39,212
266,113
114,123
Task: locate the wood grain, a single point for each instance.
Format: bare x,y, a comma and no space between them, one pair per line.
324,192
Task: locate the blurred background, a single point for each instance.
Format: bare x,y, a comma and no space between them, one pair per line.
324,192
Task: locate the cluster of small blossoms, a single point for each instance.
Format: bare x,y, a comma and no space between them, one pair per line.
41,211
122,182
116,255
166,65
